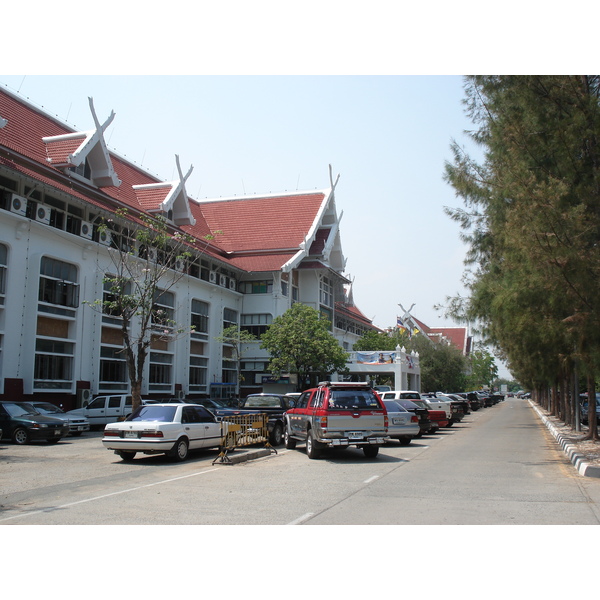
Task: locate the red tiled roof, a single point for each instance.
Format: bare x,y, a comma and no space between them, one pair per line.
268,223
58,151
456,335
257,233
152,198
352,311
262,263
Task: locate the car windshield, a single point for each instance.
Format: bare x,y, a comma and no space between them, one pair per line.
20,409
153,412
262,402
46,407
353,399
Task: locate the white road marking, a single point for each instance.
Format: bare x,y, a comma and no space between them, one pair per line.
45,510
371,479
301,519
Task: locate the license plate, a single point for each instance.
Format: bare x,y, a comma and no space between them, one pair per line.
131,434
57,432
397,421
355,435
80,428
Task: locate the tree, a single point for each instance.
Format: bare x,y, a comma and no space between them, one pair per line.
483,369
146,263
532,222
299,341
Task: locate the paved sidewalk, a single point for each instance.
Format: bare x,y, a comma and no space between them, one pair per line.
570,449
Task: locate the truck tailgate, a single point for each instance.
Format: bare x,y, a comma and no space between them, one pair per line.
355,424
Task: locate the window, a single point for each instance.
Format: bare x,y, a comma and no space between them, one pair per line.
326,291
58,286
112,290
113,369
256,324
199,319
53,364
198,374
163,311
256,287
230,318
161,366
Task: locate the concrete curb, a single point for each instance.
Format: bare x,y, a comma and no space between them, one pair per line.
244,456
583,468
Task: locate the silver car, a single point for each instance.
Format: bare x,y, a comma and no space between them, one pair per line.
77,423
402,424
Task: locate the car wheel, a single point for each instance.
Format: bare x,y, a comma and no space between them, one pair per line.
53,440
419,435
311,449
405,441
20,436
180,451
290,442
276,436
371,451
127,455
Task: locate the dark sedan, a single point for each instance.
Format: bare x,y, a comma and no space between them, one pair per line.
22,423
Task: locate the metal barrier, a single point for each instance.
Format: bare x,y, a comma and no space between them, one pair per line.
244,430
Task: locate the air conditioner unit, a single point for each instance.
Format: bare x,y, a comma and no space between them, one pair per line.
232,284
42,214
86,231
223,281
18,204
104,237
212,277
83,398
152,254
180,264
180,395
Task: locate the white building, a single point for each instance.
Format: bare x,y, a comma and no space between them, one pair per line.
57,185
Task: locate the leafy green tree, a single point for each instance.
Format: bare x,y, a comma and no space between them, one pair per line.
299,341
146,263
483,370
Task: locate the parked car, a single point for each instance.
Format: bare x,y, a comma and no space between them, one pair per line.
22,423
402,424
77,424
171,429
407,401
337,415
474,400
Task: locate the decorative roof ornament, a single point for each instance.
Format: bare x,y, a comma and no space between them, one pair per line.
168,198
72,150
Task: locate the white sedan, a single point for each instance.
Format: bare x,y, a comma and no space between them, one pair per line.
403,425
171,429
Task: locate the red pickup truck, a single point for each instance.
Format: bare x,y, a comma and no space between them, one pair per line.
336,415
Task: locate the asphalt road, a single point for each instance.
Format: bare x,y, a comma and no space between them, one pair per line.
499,466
